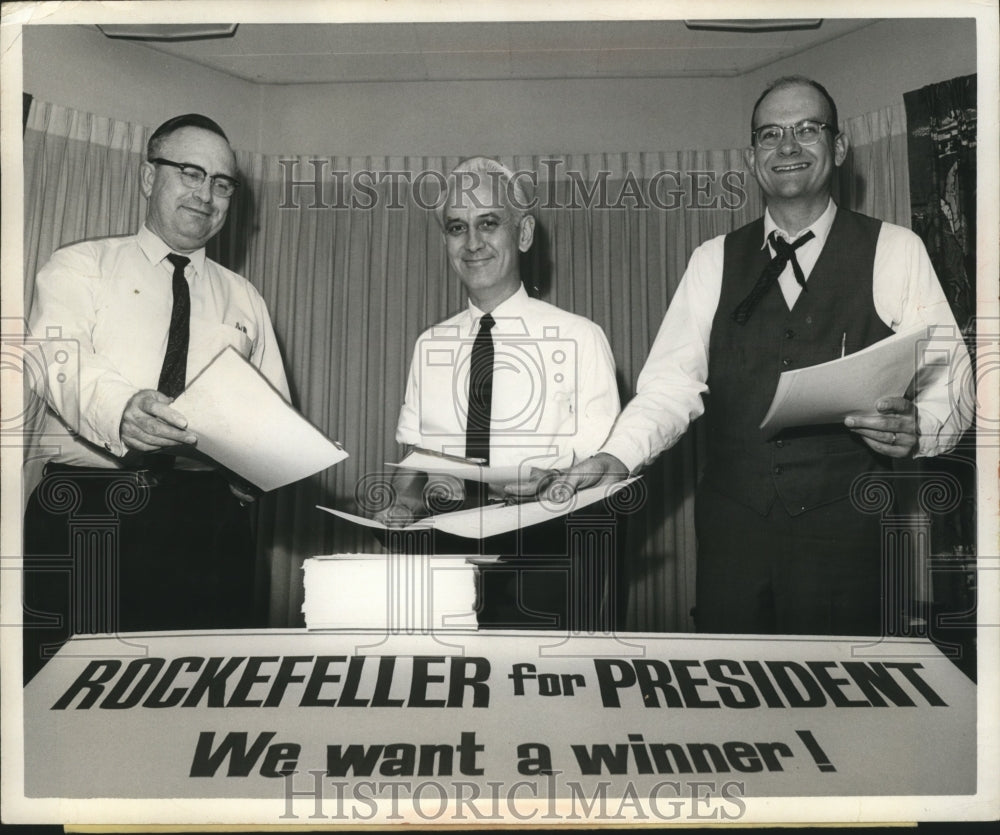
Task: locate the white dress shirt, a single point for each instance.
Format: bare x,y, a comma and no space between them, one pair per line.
906,295
554,391
101,315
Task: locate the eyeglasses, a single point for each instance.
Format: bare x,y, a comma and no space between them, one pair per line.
806,132
194,175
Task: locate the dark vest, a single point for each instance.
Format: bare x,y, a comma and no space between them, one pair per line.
807,466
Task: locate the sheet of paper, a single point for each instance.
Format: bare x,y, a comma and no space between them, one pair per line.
490,520
829,392
245,425
364,521
493,519
426,461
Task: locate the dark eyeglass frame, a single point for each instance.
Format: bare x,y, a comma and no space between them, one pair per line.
754,134
194,175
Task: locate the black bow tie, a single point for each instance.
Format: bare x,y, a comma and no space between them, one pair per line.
785,252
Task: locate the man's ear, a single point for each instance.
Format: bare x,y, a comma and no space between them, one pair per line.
840,145
749,158
147,173
526,233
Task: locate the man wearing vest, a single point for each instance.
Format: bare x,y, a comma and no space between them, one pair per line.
130,529
781,548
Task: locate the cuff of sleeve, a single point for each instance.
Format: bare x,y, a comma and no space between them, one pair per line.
623,453
929,442
408,438
594,432
106,419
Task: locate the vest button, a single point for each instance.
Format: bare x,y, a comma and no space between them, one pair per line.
786,362
777,470
779,444
809,320
789,333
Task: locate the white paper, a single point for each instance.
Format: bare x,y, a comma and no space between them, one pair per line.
493,519
829,392
245,425
428,462
360,591
364,521
490,520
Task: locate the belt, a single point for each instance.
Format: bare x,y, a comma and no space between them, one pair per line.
143,477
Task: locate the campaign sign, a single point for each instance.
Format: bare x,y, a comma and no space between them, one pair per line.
452,728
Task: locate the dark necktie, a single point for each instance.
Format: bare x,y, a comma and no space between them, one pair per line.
174,368
784,252
477,429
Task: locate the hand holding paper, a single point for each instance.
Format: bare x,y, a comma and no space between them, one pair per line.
416,493
245,425
892,431
561,485
399,515
375,523
830,392
493,519
150,423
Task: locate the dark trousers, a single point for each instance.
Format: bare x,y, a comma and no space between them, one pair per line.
559,575
530,584
127,551
818,573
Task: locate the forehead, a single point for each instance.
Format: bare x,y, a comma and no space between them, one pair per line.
470,198
788,105
202,147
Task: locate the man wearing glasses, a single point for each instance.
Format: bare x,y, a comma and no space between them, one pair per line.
510,381
781,548
148,312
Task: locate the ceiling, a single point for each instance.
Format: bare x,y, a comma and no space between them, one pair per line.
395,52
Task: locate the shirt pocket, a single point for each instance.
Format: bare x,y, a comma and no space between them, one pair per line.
237,338
209,339
561,411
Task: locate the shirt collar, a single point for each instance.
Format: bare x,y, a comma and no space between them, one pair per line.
820,227
156,250
508,309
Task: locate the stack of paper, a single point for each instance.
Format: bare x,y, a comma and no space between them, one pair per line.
405,592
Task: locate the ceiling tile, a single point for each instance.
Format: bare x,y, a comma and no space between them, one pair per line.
311,53
483,64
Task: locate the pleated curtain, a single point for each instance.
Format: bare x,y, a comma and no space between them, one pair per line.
349,289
